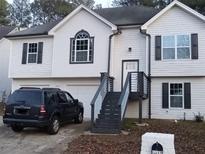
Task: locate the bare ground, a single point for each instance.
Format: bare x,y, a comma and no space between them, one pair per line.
34,141
189,138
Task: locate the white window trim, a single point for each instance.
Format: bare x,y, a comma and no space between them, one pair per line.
75,50
32,54
175,47
176,95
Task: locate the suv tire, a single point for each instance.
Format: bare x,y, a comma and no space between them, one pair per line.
17,128
79,118
54,126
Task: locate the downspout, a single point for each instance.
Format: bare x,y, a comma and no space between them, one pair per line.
149,68
109,50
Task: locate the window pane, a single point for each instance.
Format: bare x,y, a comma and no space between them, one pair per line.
91,49
28,96
168,41
176,89
32,47
32,58
81,56
183,40
183,53
73,50
169,53
176,101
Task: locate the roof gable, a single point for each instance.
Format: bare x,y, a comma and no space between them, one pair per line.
170,6
77,10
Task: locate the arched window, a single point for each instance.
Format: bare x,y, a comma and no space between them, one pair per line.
82,48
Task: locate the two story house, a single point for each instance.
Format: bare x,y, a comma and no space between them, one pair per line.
127,62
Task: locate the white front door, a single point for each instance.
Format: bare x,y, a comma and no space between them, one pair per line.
131,66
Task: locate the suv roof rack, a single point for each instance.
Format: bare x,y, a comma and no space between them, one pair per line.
57,89
29,88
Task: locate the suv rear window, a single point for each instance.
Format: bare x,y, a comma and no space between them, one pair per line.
27,97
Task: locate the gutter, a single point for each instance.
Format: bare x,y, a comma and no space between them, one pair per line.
109,50
149,68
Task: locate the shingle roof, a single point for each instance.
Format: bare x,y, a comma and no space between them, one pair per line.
132,15
4,30
37,30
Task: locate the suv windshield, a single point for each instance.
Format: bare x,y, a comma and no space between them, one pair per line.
25,97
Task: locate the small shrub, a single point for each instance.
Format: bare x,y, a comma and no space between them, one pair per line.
199,117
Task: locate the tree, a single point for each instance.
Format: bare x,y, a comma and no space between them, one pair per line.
4,13
88,3
20,14
44,11
198,5
132,2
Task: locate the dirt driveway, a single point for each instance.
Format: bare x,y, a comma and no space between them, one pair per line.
32,141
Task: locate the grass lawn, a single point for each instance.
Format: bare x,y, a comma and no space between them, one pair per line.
189,138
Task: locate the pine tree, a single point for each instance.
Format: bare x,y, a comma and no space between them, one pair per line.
44,11
20,14
4,13
88,3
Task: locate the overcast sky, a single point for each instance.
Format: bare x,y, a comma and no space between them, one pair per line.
105,3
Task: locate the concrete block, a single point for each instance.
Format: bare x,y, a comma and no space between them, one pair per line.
166,140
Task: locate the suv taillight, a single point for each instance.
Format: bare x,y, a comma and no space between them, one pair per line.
42,109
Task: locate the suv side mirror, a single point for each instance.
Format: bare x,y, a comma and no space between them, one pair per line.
76,100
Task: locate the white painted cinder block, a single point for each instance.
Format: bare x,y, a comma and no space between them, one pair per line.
166,140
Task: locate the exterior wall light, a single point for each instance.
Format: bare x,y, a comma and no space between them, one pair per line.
129,49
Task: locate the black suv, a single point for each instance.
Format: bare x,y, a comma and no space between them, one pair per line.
43,108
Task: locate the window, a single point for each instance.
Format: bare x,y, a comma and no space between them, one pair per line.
69,98
168,47
49,97
176,47
28,97
183,47
176,95
62,97
82,47
32,53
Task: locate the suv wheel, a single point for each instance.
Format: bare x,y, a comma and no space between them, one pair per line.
16,128
54,126
79,118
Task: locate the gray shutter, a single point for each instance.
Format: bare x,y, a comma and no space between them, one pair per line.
194,46
158,48
187,95
40,52
165,95
24,53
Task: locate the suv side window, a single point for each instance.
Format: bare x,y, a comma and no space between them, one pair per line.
49,97
62,98
69,98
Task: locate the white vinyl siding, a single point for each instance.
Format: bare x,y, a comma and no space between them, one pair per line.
197,99
178,22
17,70
62,58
